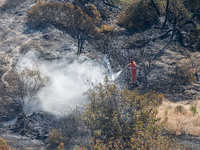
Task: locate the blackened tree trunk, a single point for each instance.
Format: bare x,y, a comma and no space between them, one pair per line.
173,30
156,8
81,40
166,14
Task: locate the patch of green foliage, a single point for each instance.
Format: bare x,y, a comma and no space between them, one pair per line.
194,109
124,119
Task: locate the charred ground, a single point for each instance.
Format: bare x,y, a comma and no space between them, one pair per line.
157,48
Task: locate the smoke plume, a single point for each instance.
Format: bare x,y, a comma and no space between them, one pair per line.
69,79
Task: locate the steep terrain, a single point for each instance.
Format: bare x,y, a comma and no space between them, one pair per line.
50,43
17,39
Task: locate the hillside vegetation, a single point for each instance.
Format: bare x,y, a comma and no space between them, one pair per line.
124,119
163,36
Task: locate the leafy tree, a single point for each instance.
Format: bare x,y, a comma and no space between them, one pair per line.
124,119
79,21
83,25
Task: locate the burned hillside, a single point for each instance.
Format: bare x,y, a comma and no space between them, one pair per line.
65,76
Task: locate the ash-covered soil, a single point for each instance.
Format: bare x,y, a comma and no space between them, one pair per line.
16,38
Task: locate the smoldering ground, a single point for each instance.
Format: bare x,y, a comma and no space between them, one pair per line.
69,79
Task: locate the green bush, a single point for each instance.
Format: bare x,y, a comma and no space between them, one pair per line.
124,119
138,15
194,109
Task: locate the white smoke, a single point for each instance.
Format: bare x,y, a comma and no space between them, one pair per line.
69,79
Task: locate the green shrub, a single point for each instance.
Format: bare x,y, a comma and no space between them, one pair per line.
194,109
166,111
124,119
138,15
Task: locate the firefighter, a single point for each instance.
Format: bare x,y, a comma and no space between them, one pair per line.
132,66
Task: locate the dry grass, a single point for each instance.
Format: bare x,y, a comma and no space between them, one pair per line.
181,120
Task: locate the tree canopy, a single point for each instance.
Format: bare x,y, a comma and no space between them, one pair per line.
124,119
80,22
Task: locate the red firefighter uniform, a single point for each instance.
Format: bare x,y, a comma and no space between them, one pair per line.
133,70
